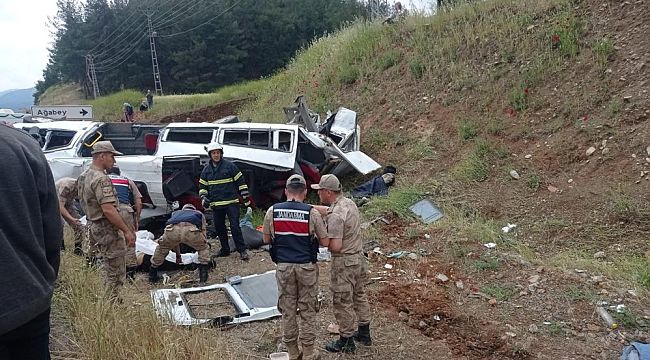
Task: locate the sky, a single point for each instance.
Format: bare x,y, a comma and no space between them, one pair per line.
26,37
24,41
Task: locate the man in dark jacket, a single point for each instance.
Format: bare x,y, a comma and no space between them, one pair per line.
30,238
220,186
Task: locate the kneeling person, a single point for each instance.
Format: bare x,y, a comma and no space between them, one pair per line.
185,226
290,228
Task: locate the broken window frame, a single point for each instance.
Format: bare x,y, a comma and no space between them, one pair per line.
273,143
70,134
190,131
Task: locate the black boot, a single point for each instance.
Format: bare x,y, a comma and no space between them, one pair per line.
363,335
203,273
243,255
343,344
223,253
153,275
130,272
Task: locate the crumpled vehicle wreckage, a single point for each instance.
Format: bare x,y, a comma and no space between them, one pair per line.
165,160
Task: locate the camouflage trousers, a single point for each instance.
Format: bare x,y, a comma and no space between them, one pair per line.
128,216
111,247
298,290
78,231
176,234
349,276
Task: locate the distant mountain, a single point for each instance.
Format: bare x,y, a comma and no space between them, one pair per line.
17,100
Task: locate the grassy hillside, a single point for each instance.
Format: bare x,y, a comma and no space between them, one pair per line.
554,90
65,94
460,99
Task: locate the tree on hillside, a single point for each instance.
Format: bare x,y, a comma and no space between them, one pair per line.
201,44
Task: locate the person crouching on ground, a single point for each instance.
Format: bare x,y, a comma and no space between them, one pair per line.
187,226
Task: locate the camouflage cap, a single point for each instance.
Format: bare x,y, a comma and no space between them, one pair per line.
104,146
329,182
296,180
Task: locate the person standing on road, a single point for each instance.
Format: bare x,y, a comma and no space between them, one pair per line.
186,226
66,190
220,186
107,230
31,233
349,269
130,207
290,228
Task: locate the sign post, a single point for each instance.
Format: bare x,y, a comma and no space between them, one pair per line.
60,112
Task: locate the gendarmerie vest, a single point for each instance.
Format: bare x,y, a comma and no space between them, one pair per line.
121,185
292,242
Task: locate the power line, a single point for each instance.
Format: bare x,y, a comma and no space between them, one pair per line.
127,51
171,19
173,10
204,23
109,51
121,26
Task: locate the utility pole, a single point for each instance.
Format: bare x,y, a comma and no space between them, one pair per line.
154,57
92,76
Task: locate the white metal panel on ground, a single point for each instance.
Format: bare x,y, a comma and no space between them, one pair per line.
254,299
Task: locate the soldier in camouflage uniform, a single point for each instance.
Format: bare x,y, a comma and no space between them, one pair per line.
349,269
290,228
66,190
187,226
107,230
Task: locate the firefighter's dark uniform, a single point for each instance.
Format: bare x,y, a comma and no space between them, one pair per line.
222,183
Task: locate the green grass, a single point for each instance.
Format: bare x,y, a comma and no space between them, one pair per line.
388,59
627,318
438,51
100,329
630,268
496,126
417,69
644,279
501,292
519,98
348,75
397,202
468,129
603,50
534,182
626,208
109,108
476,165
487,263
580,293
556,329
